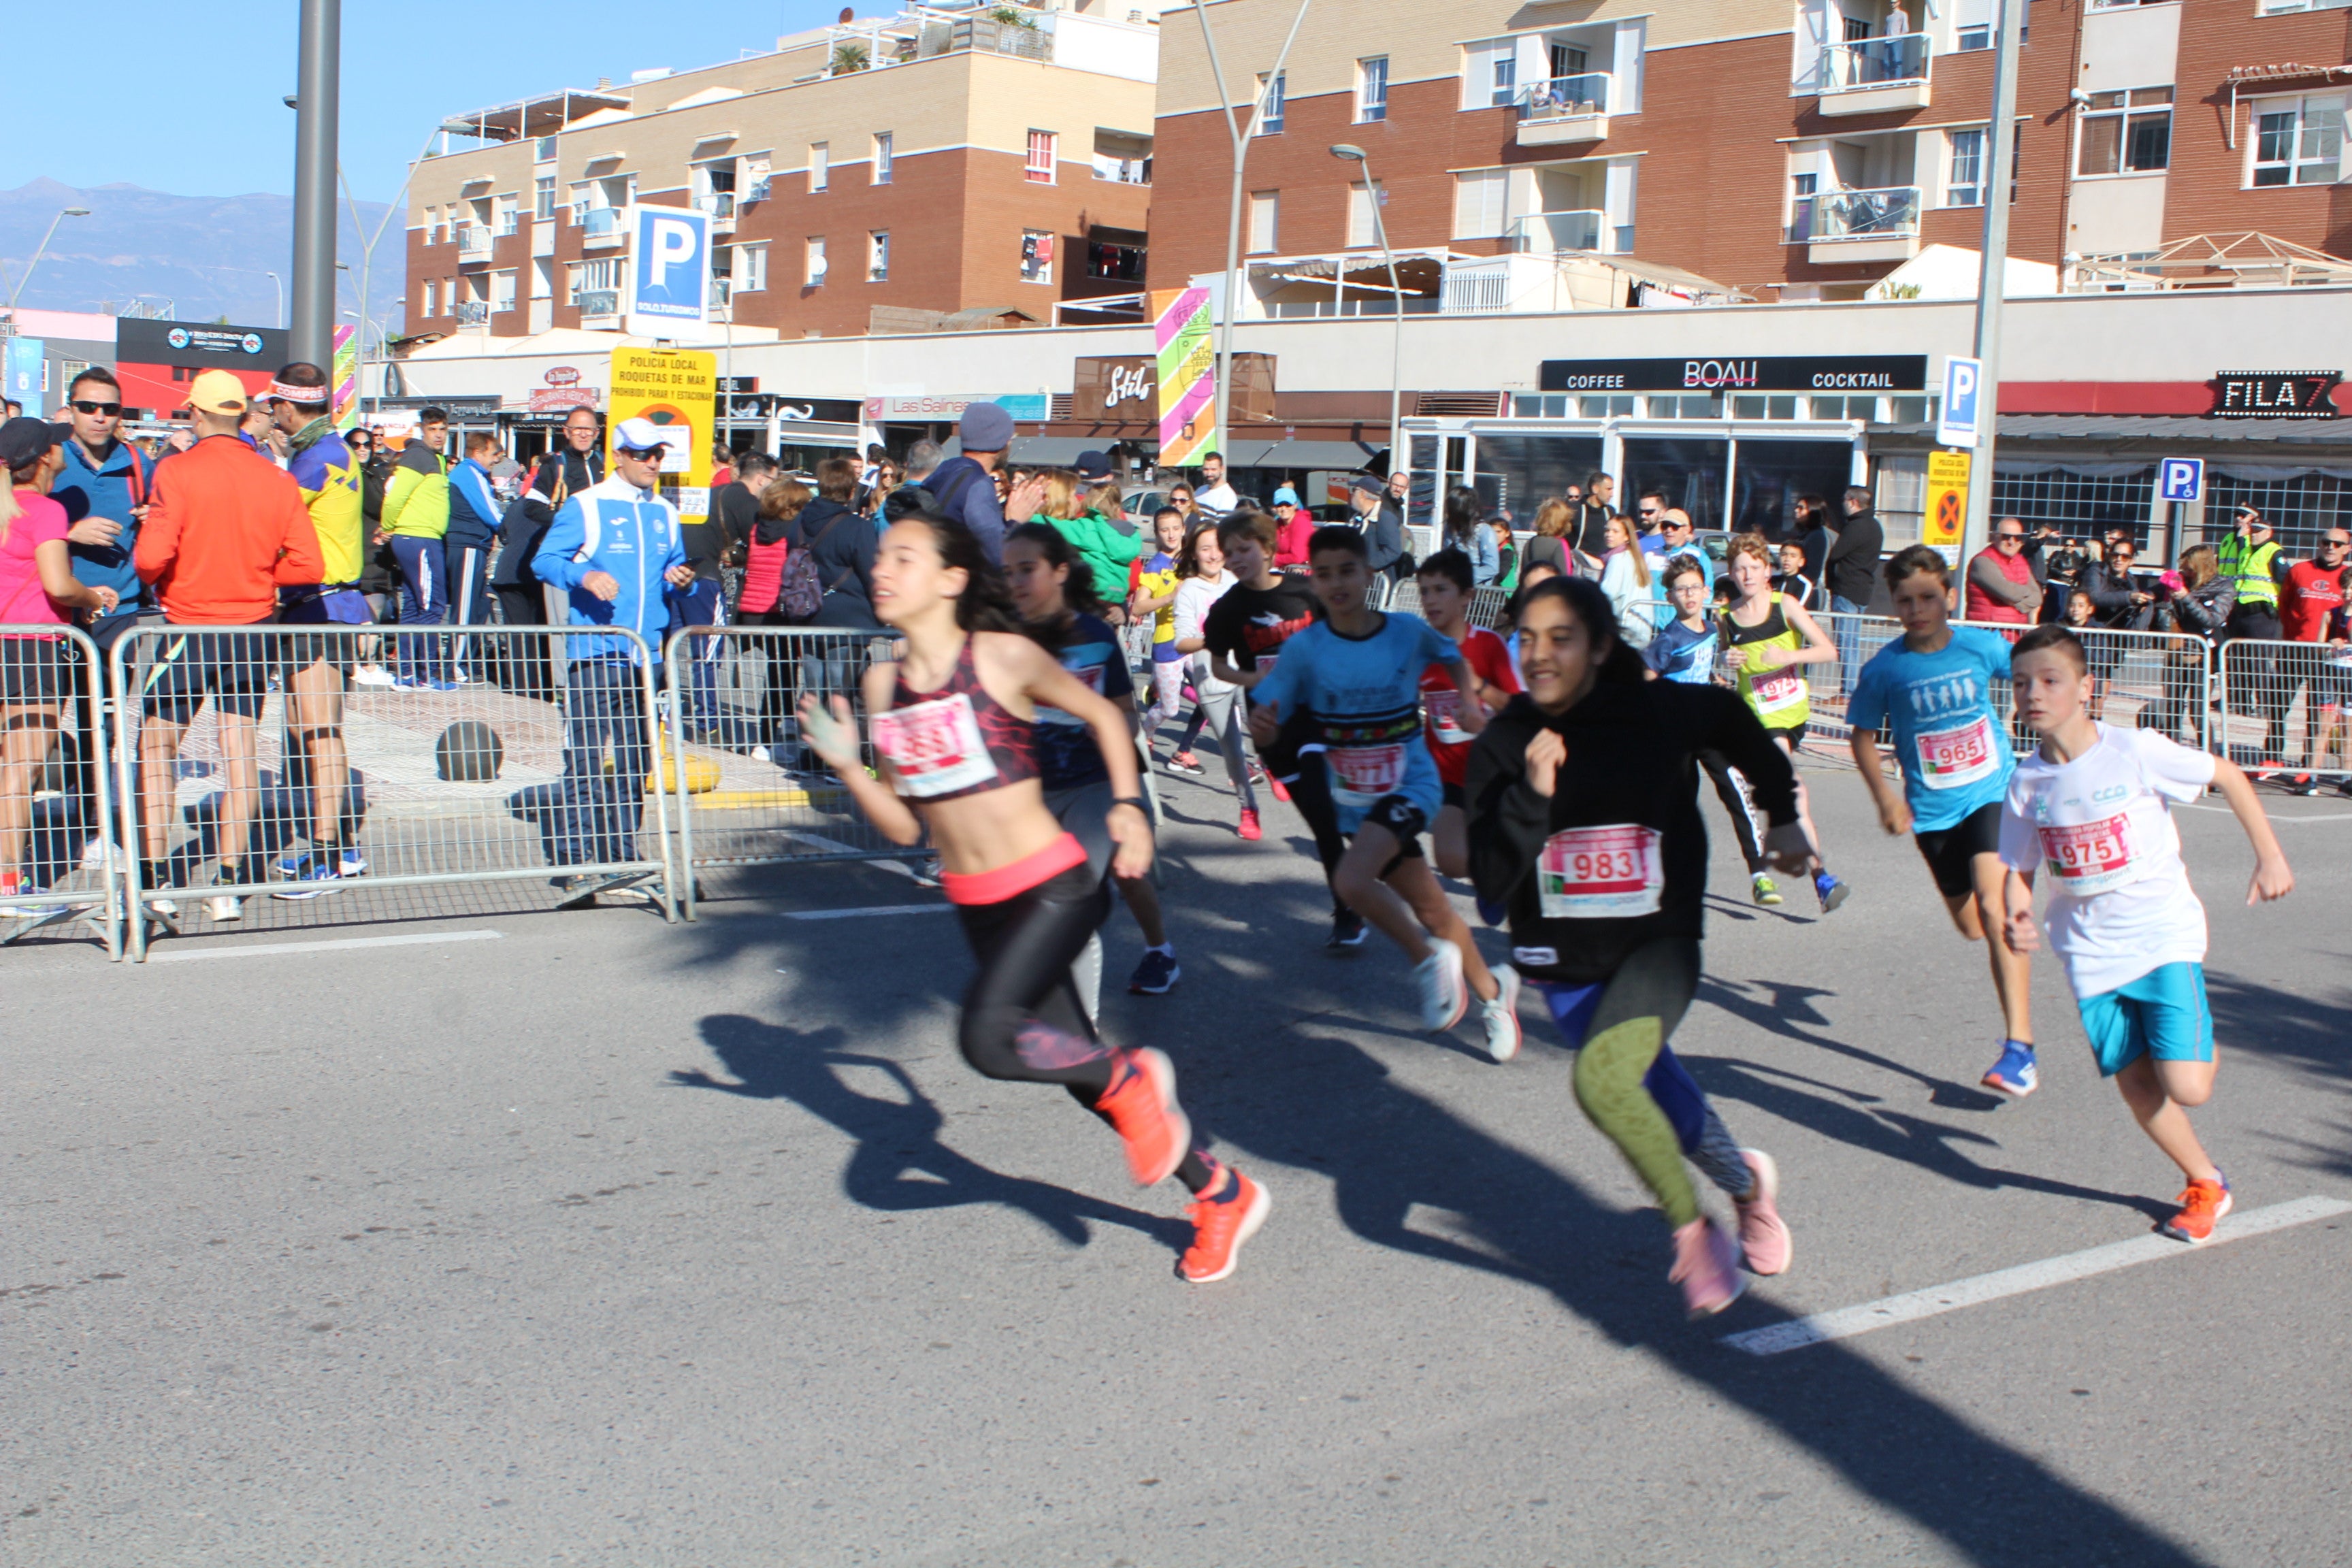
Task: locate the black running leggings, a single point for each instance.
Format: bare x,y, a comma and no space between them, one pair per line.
1023,1019
1310,791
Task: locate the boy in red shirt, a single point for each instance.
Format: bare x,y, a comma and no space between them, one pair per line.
1446,584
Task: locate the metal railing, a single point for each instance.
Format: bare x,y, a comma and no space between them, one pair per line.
1565,98
1890,212
474,239
1876,62
600,302
1353,305
56,821
1557,233
754,794
717,203
601,226
230,743
2287,706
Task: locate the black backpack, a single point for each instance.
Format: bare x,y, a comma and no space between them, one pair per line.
802,593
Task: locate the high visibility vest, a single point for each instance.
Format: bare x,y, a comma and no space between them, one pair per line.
2250,568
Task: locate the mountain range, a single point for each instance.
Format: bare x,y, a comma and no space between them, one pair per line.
209,256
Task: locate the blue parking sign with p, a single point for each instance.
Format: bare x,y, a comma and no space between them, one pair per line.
669,271
1956,422
2183,479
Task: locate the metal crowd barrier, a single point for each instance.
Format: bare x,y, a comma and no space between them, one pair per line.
2287,704
1488,606
753,794
57,820
225,740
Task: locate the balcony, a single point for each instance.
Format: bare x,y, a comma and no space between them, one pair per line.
1871,76
1123,171
1857,225
1353,305
1554,233
1565,109
600,228
473,312
599,307
474,243
720,206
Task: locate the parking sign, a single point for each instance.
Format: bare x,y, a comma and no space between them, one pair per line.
669,272
1956,425
2184,477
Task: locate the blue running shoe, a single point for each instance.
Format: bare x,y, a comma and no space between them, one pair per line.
1832,891
1493,913
352,864
311,876
2015,1074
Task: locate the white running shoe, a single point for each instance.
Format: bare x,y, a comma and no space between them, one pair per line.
1501,1016
1445,997
372,674
223,907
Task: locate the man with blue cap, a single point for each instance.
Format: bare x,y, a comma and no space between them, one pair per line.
965,485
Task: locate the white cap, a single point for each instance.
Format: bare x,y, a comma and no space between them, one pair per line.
640,436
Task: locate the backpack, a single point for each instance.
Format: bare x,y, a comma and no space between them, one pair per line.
802,593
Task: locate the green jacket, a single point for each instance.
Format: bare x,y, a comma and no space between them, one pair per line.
1108,550
2252,568
416,502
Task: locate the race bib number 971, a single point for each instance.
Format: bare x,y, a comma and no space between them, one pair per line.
1600,873
1362,774
2091,857
935,747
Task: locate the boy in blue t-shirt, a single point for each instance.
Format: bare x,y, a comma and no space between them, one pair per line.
1933,688
1358,671
1685,650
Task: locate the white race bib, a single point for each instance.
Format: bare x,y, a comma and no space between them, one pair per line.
2090,858
1777,691
1360,776
1959,755
1444,705
1600,873
935,746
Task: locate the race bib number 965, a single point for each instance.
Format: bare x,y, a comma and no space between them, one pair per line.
935,746
1600,873
1959,755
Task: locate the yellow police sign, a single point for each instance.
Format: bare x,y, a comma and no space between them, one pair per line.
676,389
1948,498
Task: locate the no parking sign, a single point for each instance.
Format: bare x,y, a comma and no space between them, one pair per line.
1947,499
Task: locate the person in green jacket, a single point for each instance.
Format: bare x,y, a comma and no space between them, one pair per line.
416,519
1106,546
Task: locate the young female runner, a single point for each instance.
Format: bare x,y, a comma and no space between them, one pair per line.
1765,635
1202,580
1585,825
954,730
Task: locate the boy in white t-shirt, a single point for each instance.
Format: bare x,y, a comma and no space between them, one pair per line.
2093,806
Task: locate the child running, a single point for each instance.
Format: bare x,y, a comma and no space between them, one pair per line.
1585,825
1447,580
954,728
1053,589
2093,803
1153,601
1934,686
1765,637
1202,580
1688,649
1357,676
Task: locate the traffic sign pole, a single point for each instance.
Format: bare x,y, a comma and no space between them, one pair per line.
1992,273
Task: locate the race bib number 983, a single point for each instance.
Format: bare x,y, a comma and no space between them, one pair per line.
1600,873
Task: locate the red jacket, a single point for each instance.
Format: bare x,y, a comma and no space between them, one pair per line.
224,527
1290,539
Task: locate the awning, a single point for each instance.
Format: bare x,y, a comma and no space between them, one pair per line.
1245,452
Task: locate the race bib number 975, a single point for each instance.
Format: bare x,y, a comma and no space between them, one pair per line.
2091,857
1600,873
935,746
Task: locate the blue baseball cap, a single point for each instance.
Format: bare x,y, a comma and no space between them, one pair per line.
1285,493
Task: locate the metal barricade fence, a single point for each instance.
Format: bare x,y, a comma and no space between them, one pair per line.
1488,606
57,822
231,741
754,795
2288,704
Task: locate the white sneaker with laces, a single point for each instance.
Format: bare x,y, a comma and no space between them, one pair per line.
372,675
1500,1017
1444,996
223,907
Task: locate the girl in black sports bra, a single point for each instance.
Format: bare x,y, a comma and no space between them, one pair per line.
953,725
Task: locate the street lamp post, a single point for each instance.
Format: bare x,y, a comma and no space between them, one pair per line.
1992,276
280,283
25,277
317,111
1348,153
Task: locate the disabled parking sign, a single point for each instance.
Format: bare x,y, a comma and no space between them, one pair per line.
2182,479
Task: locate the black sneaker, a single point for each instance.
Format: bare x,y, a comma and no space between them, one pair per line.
1347,930
1155,975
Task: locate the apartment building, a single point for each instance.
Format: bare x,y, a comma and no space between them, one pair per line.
974,163
1783,149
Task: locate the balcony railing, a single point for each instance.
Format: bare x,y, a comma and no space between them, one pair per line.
1554,233
717,203
473,312
1874,62
1565,98
596,302
1891,213
1353,305
600,226
1124,171
474,239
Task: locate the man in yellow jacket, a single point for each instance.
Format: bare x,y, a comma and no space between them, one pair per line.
416,519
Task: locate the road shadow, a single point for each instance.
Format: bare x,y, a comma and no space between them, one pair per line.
1786,1007
2310,1033
896,1160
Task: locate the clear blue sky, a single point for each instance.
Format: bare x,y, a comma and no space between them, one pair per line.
196,89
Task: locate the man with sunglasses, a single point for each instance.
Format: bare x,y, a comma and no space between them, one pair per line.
2001,589
2312,611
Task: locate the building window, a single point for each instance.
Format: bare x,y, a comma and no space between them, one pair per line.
542,278
574,279
502,290
877,256
1363,226
1265,221
1122,156
1964,181
1372,88
819,165
1036,256
430,294
1490,73
1271,95
2125,133
2298,141
602,275
813,274
882,157
542,199
1478,204
1039,170
1115,262
751,270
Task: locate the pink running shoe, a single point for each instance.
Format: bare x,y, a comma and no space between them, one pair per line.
1706,1266
1764,1236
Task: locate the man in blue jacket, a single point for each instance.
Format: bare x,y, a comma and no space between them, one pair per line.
474,516
966,484
610,548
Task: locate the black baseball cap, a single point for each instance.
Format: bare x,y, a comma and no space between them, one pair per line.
1091,466
24,439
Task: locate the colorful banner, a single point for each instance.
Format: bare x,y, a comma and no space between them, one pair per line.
1947,499
1188,375
676,389
345,375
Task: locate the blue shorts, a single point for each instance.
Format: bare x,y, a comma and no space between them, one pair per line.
2163,1013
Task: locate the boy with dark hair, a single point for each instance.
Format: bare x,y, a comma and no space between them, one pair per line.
2093,804
1357,676
1933,688
1447,581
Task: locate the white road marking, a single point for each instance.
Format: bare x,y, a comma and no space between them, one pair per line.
834,846
856,914
1848,1322
258,949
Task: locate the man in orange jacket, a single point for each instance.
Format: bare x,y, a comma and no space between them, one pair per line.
224,528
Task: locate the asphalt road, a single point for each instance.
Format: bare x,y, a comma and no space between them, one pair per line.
603,1242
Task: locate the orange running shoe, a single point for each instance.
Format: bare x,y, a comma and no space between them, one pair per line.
1141,1104
2200,1206
1280,793
1219,1228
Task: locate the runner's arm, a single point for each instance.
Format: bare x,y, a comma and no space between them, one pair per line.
1731,727
1818,649
2273,877
1507,819
832,735
1470,715
1045,682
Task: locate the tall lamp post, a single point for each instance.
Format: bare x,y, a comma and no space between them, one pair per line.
1347,152
1992,275
317,112
18,293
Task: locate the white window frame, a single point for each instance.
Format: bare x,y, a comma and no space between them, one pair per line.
504,288
884,156
542,199
431,295
878,256
1953,184
820,166
576,280
1490,72
1276,98
1265,222
1372,90
1044,170
2128,115
2300,105
750,273
1363,198
1043,273
814,264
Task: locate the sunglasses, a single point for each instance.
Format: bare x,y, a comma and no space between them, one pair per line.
645,451
1649,511
2335,543
2011,538
82,405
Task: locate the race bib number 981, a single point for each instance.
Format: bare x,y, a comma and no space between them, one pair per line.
1600,873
